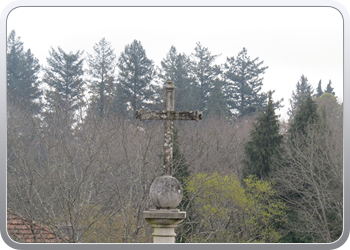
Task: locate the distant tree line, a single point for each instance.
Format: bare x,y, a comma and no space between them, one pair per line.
108,84
77,158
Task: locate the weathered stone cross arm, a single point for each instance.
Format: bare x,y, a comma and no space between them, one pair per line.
169,115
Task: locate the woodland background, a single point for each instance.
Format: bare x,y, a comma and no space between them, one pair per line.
77,157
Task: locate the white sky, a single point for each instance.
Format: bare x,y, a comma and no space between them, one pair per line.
290,40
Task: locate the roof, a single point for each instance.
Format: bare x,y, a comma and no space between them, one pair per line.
22,231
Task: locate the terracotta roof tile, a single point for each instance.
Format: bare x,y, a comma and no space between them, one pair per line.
21,230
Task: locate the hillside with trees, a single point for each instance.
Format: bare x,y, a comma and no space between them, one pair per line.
78,158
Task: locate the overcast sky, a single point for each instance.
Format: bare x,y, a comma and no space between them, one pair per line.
290,41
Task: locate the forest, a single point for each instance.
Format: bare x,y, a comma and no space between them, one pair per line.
78,158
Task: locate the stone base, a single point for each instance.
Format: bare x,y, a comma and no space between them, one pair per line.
164,222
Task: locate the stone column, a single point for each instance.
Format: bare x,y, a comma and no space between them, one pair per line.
166,194
169,105
164,222
166,191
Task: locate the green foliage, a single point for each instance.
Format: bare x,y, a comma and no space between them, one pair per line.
243,82
64,75
216,104
250,110
334,110
111,227
303,89
181,171
176,67
22,75
136,72
309,177
307,114
204,75
319,90
264,143
329,88
290,235
230,213
182,174
102,80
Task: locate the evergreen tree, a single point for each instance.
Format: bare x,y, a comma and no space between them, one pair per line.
329,88
216,104
250,110
303,89
64,76
319,90
307,114
175,67
264,143
333,109
310,154
136,73
204,73
181,167
22,75
182,174
102,80
243,82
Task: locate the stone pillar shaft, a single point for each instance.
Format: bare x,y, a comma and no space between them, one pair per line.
169,105
163,234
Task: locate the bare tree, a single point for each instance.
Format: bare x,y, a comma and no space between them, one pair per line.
92,184
69,181
309,176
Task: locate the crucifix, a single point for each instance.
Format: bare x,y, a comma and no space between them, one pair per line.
168,115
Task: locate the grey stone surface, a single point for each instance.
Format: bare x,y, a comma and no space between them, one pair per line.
165,214
166,192
168,115
164,222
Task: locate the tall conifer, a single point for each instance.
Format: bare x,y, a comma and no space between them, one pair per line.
216,104
204,71
176,67
182,173
102,80
319,90
264,143
329,88
134,81
306,114
22,75
303,89
243,82
65,96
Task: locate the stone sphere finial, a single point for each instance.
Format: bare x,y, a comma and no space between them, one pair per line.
166,192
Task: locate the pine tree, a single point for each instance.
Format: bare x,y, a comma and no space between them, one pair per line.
309,146
243,82
22,75
216,104
329,88
182,174
64,76
136,73
303,89
204,75
181,167
319,90
307,114
264,143
102,79
176,67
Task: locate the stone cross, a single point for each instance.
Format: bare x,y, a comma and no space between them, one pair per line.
168,116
